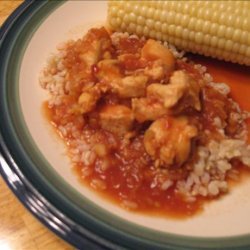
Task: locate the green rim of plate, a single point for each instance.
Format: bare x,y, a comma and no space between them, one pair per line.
44,178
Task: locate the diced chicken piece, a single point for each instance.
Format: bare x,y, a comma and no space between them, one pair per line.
156,72
169,140
132,62
181,86
108,71
83,54
94,45
92,55
169,94
192,93
117,119
88,99
153,51
147,110
180,93
131,86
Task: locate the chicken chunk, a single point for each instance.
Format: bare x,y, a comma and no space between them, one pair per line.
181,86
91,56
108,71
169,94
88,99
153,51
117,119
94,44
146,109
132,62
131,86
192,92
156,71
169,140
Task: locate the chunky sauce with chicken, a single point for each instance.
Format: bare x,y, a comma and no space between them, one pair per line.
136,119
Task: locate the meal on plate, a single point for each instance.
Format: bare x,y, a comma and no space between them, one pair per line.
143,125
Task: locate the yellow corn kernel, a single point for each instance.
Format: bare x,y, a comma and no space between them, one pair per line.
220,29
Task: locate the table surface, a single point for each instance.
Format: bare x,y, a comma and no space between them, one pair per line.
19,230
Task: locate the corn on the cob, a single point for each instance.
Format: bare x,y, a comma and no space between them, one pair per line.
219,29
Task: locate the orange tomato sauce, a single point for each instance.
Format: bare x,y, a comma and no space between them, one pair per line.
167,203
234,75
153,201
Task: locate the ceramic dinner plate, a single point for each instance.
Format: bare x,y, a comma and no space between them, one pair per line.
34,161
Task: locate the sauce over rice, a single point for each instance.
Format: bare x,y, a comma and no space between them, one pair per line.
113,142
